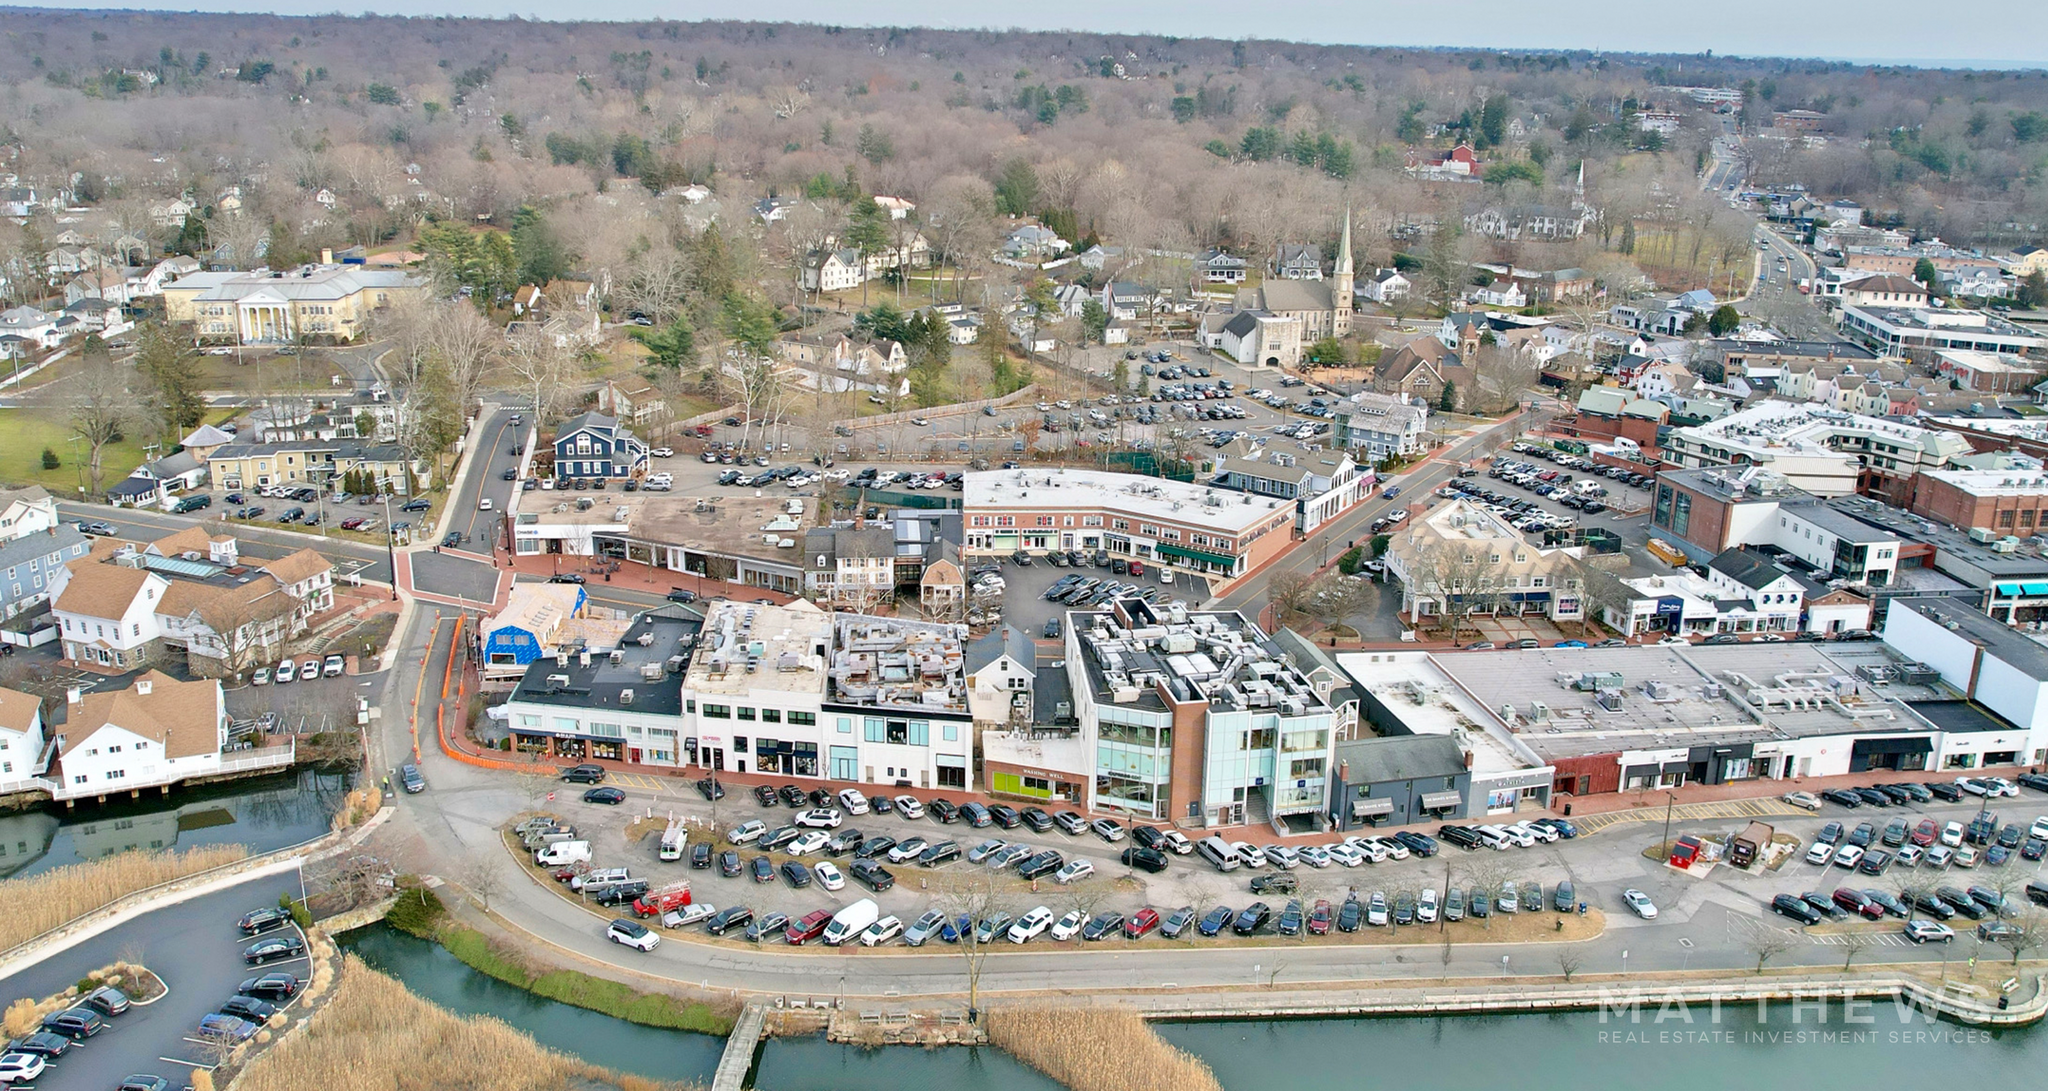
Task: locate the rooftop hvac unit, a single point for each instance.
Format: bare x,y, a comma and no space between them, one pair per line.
617,657
558,681
1539,713
626,696
1608,699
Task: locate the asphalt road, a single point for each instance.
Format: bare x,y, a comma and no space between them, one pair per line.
255,542
195,948
498,439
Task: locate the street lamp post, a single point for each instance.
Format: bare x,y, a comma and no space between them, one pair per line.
390,545
1670,798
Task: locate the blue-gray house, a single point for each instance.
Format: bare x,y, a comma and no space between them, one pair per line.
593,445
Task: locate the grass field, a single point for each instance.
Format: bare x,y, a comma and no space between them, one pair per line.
25,432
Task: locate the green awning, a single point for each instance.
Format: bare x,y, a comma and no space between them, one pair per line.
1217,559
2037,589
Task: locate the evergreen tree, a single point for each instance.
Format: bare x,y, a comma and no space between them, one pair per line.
173,386
1447,402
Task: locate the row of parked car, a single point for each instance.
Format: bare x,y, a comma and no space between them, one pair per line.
1575,462
31,1055
1901,792
1926,912
1928,843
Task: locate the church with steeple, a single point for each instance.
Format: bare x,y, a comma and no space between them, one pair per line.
1321,308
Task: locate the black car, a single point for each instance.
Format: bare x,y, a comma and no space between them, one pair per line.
248,1007
1177,922
258,921
881,804
270,950
871,875
1874,862
271,987
1006,817
1564,897
1961,902
454,538
1829,834
875,846
1044,863
1990,899
1944,791
1103,924
1349,916
1843,797
1421,844
793,796
729,864
2036,781
819,797
2011,836
1862,835
710,789
1874,797
74,1023
796,874
725,920
1213,923
944,852
568,577
1144,859
1895,833
700,855
584,774
1462,836
43,1042
1253,918
779,836
1933,906
765,795
1279,882
1890,903
611,797
763,869
1037,819
1146,836
943,810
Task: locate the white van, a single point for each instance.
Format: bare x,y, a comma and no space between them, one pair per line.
673,840
563,852
1219,853
851,921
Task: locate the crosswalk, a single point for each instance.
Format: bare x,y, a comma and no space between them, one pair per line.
1874,939
1725,808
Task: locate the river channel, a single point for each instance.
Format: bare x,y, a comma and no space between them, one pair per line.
1738,1046
264,813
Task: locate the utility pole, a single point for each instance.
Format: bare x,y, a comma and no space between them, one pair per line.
1670,798
390,545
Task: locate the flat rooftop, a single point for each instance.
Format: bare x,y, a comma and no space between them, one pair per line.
1673,697
1993,482
1427,701
1945,540
733,526
1217,657
639,674
1157,497
2016,648
893,663
747,647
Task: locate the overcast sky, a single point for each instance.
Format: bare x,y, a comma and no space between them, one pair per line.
2009,32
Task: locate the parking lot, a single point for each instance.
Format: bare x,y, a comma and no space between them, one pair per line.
1601,868
1023,598
195,948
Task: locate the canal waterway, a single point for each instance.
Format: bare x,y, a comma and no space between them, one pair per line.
1702,1049
264,813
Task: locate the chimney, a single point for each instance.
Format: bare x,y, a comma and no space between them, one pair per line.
326,256
1344,771
143,686
73,694
1468,759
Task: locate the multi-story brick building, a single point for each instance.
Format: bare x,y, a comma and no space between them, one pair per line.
2001,501
1192,527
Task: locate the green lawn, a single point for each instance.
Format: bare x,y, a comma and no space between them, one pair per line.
25,432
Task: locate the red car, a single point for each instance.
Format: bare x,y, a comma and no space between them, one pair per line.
1141,922
809,928
1319,918
1855,901
1926,833
1137,569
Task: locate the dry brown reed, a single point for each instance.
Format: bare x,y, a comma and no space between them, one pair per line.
417,1045
1089,1050
34,905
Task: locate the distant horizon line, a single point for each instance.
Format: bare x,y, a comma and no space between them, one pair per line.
1932,63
